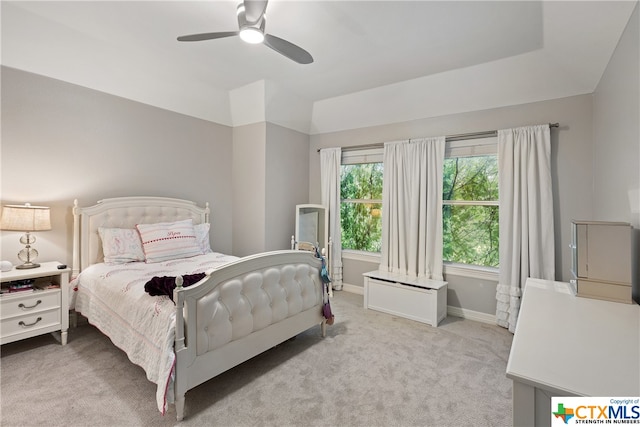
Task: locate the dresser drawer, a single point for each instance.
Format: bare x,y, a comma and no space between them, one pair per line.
32,302
45,321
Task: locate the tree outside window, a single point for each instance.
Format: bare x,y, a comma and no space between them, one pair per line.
361,206
470,210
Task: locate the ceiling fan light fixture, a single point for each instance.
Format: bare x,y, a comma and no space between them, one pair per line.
251,35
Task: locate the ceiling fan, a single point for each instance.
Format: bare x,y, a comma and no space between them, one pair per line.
251,23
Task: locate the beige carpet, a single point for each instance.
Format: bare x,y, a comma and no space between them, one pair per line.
372,369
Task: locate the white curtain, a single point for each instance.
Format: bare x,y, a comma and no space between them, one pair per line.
330,160
526,216
412,207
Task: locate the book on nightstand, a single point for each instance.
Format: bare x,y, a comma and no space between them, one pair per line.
18,286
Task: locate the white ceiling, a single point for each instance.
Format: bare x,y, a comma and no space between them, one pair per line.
374,61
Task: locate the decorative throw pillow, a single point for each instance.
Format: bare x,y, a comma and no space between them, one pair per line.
168,240
121,245
202,237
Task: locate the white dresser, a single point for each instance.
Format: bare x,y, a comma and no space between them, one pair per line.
570,346
415,298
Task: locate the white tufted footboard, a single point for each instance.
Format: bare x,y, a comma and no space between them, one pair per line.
241,310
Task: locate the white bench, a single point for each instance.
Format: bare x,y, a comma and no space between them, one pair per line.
415,298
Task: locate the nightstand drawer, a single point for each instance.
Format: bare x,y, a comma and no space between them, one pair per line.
44,321
32,302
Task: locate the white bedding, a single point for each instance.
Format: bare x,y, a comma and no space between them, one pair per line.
112,297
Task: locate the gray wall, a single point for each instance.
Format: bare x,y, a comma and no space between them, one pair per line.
571,168
249,169
61,141
270,177
616,130
288,183
616,111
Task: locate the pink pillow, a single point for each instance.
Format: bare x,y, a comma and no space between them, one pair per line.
168,240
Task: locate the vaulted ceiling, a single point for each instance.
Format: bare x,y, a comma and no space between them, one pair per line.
374,61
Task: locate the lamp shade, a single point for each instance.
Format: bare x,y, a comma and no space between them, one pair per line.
25,218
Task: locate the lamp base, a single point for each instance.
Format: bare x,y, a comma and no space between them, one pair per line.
27,265
27,255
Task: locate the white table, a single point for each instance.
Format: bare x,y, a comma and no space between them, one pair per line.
570,346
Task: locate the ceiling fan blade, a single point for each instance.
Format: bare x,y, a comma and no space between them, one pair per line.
254,9
207,36
288,49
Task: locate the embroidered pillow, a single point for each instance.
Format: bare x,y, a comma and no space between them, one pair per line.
121,245
202,237
168,240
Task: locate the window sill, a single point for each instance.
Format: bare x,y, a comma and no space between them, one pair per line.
372,257
453,269
473,271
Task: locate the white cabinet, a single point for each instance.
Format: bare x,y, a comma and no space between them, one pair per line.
27,314
601,260
415,298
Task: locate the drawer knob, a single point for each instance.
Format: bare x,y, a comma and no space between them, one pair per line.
26,325
29,307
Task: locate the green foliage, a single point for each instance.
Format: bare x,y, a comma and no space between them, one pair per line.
470,178
470,232
470,235
360,210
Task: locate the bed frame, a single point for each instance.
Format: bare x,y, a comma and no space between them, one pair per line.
195,361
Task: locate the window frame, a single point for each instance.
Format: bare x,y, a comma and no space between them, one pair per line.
355,157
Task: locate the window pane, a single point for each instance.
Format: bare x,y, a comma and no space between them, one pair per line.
360,210
361,181
470,178
470,235
361,226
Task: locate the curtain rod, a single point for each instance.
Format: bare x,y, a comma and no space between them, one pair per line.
448,138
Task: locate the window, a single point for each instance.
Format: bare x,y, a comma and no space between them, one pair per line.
361,200
470,203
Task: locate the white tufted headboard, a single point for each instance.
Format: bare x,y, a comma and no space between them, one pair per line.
124,212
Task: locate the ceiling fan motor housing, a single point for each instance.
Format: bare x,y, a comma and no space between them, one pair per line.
250,32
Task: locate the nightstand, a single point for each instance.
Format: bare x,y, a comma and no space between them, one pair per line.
26,314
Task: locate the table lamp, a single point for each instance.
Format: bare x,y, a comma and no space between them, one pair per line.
26,218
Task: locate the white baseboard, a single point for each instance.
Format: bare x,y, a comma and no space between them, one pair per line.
451,311
471,315
354,289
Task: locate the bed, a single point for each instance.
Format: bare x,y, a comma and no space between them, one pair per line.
232,310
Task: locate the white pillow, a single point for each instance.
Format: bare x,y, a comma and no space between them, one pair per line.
121,245
202,237
168,240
